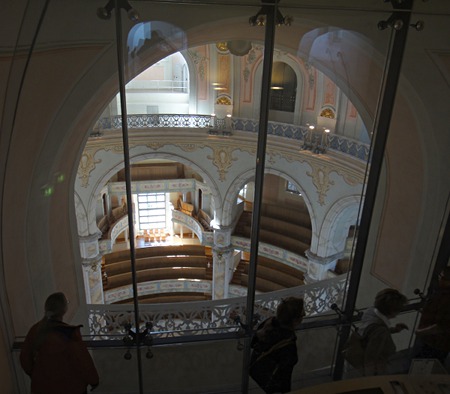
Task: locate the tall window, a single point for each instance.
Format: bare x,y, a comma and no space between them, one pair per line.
283,87
152,210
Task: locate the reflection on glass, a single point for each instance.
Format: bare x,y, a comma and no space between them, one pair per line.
193,102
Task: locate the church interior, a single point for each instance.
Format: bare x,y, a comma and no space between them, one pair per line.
167,164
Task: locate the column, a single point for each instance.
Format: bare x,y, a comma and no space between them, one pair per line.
223,263
318,266
92,275
91,265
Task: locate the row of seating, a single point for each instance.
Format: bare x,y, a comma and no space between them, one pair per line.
160,250
270,275
158,263
286,227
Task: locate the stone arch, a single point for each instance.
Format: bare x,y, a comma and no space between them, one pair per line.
232,193
331,237
299,73
103,179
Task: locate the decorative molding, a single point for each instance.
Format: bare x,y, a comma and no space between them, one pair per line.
200,62
93,263
321,180
190,147
155,145
87,165
222,159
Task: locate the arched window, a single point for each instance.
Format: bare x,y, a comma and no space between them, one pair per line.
283,87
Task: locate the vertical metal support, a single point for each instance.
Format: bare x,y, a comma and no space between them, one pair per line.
269,44
443,255
126,154
394,59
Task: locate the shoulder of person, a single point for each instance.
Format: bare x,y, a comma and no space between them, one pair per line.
69,331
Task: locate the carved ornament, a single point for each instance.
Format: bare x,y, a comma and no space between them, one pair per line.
87,165
321,180
222,158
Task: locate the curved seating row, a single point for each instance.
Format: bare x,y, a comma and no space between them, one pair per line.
280,225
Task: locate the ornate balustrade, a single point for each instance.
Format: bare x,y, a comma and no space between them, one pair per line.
202,317
334,142
155,120
117,228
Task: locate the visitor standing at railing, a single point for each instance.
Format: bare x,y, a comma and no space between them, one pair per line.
274,353
371,349
54,354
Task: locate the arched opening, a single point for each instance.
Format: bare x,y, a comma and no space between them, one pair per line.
283,88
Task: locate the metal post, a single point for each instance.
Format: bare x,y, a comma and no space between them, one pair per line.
126,154
399,23
269,43
443,255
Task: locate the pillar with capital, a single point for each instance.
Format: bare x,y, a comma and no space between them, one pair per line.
319,266
223,263
92,271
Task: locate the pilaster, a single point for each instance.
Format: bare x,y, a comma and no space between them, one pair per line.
223,263
91,264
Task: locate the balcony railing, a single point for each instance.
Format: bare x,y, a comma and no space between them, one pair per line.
337,143
203,317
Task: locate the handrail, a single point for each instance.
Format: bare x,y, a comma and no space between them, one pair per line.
336,143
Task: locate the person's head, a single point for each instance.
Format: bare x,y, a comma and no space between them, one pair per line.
56,306
290,311
390,302
444,277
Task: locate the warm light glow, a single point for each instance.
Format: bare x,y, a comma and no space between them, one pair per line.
228,115
311,127
220,88
276,88
190,280
327,130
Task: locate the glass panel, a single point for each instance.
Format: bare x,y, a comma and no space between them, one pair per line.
188,86
316,352
172,368
324,94
188,67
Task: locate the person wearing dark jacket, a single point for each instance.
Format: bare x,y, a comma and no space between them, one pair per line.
274,347
54,354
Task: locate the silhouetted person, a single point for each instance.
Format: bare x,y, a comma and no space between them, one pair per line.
54,354
274,347
377,331
433,333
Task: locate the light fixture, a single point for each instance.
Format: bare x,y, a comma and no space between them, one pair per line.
260,18
221,126
316,139
105,12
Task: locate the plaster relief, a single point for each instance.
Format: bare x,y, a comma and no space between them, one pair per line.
222,159
87,165
321,180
